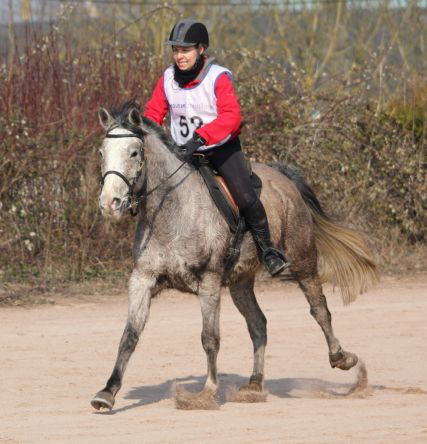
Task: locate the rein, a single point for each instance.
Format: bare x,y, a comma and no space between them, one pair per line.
133,204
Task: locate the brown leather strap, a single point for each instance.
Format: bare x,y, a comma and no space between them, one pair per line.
224,187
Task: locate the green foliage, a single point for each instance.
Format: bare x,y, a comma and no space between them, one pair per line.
411,112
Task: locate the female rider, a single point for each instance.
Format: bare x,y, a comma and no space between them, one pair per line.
205,118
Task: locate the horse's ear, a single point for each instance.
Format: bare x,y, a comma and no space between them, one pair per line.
134,117
105,118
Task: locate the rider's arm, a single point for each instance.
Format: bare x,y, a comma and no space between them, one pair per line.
227,124
157,107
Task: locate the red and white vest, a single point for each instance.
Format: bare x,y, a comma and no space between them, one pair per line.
191,108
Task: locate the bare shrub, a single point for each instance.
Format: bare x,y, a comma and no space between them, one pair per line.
358,133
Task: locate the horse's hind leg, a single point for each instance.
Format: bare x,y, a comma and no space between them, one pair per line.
319,310
140,292
244,298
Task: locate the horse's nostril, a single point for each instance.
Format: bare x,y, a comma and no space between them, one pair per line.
115,203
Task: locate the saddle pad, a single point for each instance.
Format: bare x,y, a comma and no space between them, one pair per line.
221,194
228,196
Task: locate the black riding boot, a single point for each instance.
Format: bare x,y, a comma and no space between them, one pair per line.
256,218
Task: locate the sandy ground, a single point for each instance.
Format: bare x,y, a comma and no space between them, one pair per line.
55,358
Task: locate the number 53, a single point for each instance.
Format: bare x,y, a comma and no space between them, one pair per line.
185,130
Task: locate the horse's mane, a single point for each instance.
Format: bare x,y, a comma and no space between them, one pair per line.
120,115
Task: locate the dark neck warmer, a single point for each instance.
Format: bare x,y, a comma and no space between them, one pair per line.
184,77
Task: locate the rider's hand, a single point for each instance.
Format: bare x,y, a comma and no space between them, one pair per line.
186,151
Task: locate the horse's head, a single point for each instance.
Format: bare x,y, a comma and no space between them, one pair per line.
130,143
123,155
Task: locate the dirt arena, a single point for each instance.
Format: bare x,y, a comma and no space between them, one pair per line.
54,358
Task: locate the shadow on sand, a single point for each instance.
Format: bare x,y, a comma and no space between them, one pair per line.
283,388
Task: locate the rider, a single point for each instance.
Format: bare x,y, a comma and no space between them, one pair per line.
205,118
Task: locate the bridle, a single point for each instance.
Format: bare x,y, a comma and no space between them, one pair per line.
132,204
131,185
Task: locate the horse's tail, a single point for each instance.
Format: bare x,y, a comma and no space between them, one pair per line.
344,258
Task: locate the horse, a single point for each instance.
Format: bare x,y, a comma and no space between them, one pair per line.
182,240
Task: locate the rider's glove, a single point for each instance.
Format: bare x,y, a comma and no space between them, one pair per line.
186,151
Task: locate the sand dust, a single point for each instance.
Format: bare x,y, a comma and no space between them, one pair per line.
55,358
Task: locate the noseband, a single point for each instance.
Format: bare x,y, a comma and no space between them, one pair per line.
131,186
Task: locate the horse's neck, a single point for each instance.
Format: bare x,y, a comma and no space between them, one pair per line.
174,196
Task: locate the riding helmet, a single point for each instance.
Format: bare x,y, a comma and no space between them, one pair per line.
189,32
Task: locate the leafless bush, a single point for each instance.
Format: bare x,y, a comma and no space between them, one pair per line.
358,135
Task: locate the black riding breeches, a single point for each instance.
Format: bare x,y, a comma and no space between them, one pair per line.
230,163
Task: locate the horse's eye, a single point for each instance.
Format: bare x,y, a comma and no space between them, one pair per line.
134,154
100,153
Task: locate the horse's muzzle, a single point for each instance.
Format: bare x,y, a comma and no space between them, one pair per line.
113,207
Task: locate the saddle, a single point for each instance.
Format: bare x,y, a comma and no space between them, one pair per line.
226,204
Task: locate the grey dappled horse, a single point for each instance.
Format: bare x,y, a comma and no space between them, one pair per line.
182,239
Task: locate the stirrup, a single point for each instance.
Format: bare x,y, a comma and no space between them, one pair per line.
274,266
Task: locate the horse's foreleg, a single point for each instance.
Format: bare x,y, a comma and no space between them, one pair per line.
319,310
244,298
140,292
209,294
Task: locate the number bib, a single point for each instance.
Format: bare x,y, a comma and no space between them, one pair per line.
191,108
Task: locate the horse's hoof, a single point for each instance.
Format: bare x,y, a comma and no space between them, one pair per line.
103,401
252,387
343,360
256,383
249,393
204,400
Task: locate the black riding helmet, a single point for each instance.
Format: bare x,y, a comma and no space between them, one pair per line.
189,32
